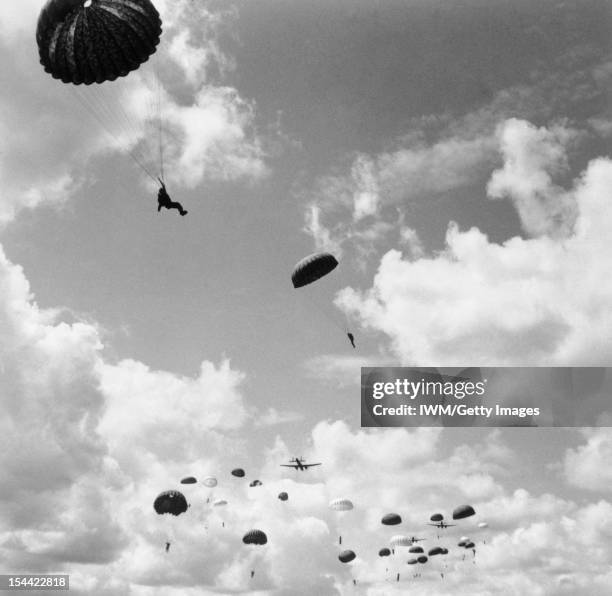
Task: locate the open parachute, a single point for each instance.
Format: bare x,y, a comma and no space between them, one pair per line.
313,267
170,501
255,537
97,40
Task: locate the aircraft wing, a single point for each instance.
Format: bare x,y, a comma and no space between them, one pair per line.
310,465
288,466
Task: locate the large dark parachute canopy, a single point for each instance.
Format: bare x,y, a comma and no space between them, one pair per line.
255,537
436,517
422,559
416,549
346,556
313,267
384,552
391,519
188,480
463,511
170,501
283,496
238,472
436,550
98,40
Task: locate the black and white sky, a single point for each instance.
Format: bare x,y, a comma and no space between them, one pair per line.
453,154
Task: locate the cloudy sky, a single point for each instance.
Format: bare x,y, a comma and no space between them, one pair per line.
453,155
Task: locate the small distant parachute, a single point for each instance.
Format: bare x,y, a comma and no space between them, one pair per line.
341,505
170,501
384,552
219,503
400,540
283,496
238,472
255,537
483,525
436,550
436,517
416,549
412,561
189,480
313,267
444,551
210,482
462,543
464,539
92,42
470,545
255,483
346,556
391,519
422,559
463,511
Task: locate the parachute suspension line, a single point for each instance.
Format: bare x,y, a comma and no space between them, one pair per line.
159,114
90,107
323,309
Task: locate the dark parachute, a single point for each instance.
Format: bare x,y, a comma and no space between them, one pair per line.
416,549
391,519
463,511
283,496
412,561
98,40
422,559
256,483
255,537
470,545
436,517
384,552
170,501
436,550
462,543
313,267
346,556
188,480
238,472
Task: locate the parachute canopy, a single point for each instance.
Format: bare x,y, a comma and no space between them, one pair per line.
422,559
436,550
238,472
384,552
283,496
188,480
483,525
470,545
412,561
436,517
400,540
463,511
219,503
391,519
170,501
256,483
346,556
255,537
97,41
341,505
416,549
210,482
313,267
